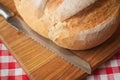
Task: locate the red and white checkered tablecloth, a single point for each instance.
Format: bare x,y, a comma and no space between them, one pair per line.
11,70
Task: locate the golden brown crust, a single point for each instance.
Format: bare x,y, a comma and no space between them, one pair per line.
67,33
52,5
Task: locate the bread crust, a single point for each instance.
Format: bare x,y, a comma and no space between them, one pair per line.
87,29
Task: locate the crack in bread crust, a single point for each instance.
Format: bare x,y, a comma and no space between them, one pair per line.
67,33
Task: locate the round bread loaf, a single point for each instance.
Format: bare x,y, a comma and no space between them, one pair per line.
72,24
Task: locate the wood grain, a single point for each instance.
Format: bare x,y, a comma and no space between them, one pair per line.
41,64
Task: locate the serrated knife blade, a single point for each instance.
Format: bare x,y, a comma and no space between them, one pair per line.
66,54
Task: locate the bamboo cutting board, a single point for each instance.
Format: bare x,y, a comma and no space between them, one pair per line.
41,64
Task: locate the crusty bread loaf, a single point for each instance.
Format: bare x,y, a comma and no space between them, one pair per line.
74,25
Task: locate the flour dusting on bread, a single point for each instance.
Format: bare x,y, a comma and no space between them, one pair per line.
72,24
71,7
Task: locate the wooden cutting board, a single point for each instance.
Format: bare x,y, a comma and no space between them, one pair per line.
41,64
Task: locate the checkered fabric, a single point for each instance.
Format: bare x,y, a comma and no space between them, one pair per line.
11,70
108,71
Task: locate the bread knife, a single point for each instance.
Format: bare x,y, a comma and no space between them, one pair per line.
17,23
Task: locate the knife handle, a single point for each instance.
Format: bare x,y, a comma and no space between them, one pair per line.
4,12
